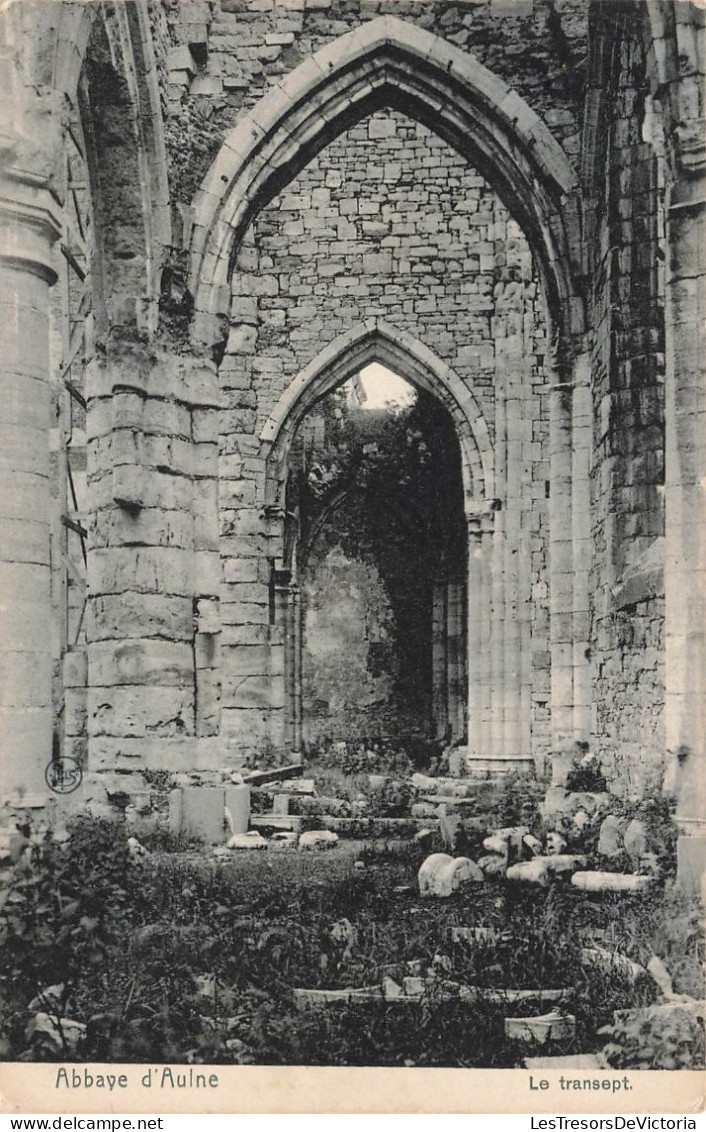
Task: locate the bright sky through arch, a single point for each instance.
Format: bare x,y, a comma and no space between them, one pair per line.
383,388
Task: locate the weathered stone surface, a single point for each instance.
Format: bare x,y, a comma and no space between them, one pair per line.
390,222
237,808
637,841
493,865
612,882
610,837
541,1029
442,875
318,839
251,840
199,812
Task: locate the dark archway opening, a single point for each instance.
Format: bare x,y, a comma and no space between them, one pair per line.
375,485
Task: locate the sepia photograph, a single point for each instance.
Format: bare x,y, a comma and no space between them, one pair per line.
352,555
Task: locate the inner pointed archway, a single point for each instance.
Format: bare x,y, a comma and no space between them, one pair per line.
378,559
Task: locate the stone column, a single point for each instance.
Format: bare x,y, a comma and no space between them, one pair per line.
455,665
561,568
496,738
297,640
685,507
150,624
512,740
439,659
476,660
479,674
30,223
581,440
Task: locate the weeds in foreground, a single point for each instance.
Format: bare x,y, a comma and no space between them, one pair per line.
178,959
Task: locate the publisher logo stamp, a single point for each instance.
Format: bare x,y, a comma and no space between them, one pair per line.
64,775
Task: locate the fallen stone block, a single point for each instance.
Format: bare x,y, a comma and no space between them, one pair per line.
273,823
318,839
424,810
452,801
441,875
414,986
503,841
390,989
660,974
199,812
449,787
297,786
637,841
498,996
137,850
283,840
251,840
555,844
683,1006
276,774
64,1036
365,828
599,958
540,870
305,998
531,872
237,807
493,865
547,1027
610,836
612,882
533,844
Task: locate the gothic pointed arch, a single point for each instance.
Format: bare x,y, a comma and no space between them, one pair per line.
388,62
376,340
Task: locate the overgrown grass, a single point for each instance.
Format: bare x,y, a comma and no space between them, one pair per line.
178,958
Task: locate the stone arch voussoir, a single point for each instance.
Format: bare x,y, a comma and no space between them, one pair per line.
388,62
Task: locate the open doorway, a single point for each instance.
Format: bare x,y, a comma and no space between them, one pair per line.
376,488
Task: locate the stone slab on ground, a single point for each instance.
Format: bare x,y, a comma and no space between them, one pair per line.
287,822
306,786
547,1027
598,882
237,803
366,827
275,774
452,800
198,811
304,997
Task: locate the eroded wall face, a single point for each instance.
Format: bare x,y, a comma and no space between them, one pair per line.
216,62
628,427
386,222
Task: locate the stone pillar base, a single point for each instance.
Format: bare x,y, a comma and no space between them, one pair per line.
691,864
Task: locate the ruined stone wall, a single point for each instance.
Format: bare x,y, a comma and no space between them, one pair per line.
155,468
387,221
628,422
218,61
